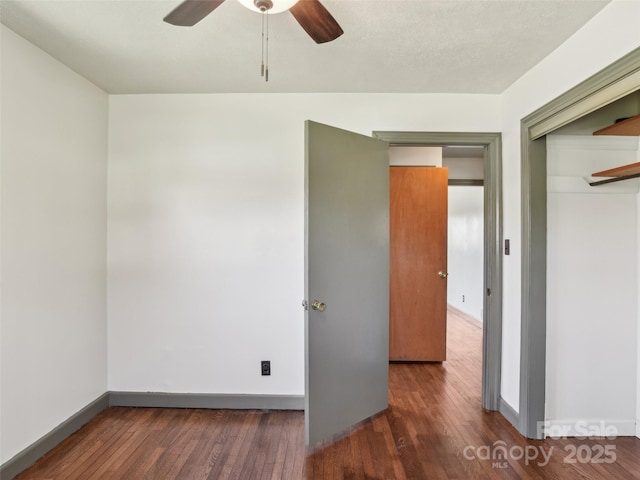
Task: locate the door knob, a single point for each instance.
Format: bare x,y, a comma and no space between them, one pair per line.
318,305
442,274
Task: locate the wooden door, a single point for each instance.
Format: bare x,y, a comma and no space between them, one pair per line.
418,264
346,279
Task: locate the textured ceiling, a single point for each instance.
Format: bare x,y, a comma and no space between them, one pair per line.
434,46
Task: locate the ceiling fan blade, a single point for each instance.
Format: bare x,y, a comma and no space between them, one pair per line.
316,20
190,12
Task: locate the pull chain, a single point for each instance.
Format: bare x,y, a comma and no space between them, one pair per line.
264,6
262,49
266,70
264,67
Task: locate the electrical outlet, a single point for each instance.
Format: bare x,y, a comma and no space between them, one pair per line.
462,298
265,365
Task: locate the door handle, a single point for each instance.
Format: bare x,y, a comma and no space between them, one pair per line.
442,274
318,305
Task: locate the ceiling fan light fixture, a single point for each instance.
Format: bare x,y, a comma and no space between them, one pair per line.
261,6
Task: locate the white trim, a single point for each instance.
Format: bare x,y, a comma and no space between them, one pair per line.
509,412
581,428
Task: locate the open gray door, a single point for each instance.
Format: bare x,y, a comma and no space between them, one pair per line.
346,279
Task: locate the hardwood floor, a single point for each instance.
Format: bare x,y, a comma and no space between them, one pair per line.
434,428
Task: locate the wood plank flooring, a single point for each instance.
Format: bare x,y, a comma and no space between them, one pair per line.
435,428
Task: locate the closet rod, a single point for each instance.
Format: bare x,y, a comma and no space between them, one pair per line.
613,180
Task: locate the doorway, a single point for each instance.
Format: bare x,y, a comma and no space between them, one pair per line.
465,250
436,246
610,84
492,271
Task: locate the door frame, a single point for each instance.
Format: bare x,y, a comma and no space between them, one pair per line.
618,80
492,302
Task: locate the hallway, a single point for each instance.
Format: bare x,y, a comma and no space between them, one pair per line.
436,428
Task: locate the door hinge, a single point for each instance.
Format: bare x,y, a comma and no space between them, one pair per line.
488,292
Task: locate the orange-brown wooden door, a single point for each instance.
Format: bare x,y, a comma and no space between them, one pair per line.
418,264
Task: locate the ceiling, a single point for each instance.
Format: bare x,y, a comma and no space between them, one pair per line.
389,46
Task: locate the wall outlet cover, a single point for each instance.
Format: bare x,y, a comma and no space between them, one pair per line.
265,366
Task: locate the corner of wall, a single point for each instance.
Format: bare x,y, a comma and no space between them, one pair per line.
53,191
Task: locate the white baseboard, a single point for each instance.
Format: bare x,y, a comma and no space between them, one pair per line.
509,413
591,428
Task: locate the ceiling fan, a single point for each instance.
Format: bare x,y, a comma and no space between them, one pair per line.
312,16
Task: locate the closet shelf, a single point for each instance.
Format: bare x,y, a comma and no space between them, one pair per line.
629,127
617,174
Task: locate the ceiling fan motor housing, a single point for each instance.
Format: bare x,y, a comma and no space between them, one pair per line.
263,5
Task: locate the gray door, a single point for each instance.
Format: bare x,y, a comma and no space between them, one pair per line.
347,276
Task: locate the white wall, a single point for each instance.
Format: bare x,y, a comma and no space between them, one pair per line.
592,285
415,156
464,168
584,54
53,298
205,236
466,249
